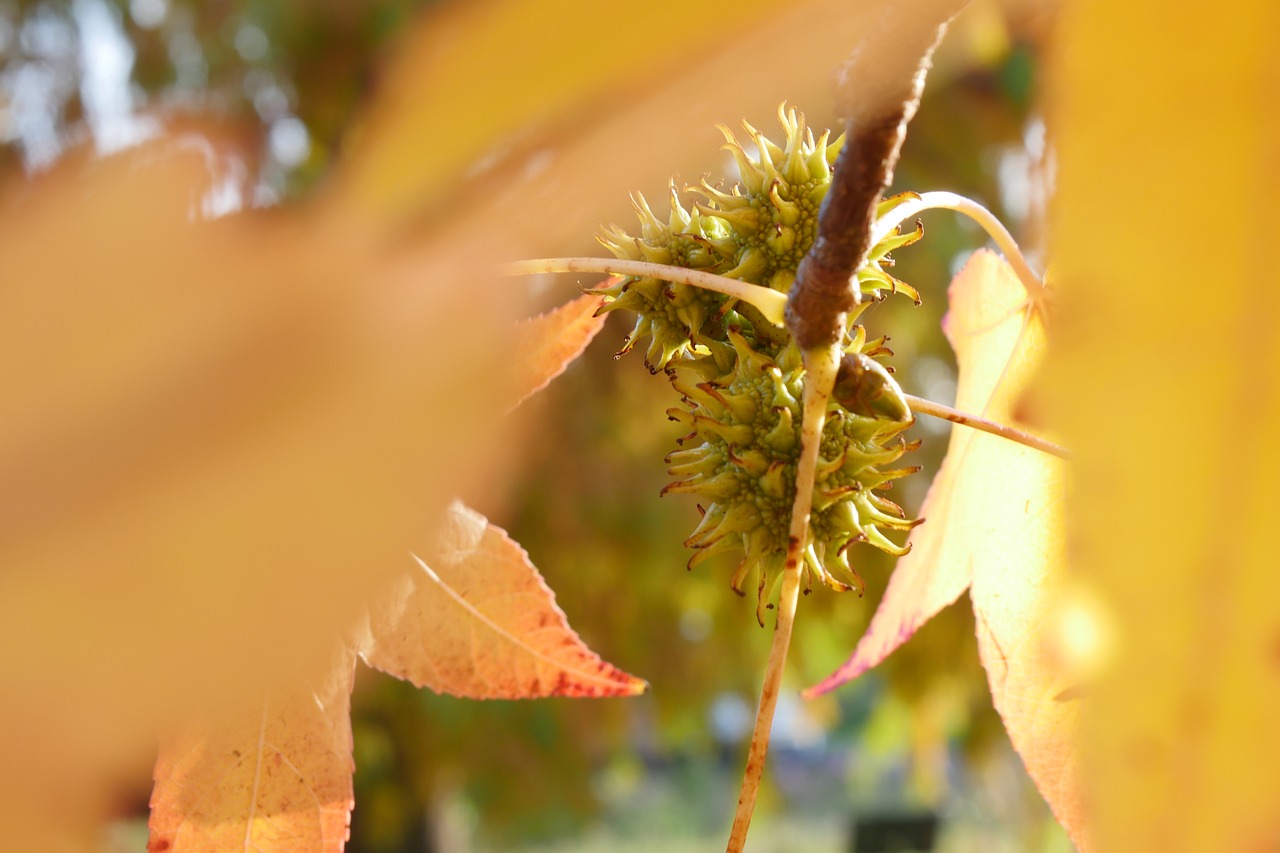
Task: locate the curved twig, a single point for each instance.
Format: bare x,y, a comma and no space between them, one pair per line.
1031,282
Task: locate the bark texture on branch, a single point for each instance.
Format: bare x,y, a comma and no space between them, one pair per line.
878,90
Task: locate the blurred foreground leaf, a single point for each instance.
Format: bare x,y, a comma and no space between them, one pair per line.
615,99
220,436
475,78
1165,383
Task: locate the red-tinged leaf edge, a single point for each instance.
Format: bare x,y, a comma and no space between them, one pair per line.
923,583
550,342
892,625
406,638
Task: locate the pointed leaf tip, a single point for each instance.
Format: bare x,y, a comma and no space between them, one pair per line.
937,572
475,619
997,527
548,343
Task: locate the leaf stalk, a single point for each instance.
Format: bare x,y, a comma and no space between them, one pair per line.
770,303
1000,235
938,410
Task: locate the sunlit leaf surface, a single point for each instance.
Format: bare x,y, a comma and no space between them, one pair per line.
219,437
993,526
545,345
476,619
645,111
480,79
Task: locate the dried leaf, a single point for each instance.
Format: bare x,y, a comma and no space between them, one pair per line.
546,344
995,527
477,620
275,778
1164,382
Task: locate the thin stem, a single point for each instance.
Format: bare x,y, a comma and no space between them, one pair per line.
764,715
771,303
1032,282
928,407
821,366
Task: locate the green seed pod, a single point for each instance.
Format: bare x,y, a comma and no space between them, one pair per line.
741,380
757,232
741,459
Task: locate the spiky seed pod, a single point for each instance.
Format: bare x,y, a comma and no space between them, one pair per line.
756,231
741,380
873,281
742,463
773,214
674,315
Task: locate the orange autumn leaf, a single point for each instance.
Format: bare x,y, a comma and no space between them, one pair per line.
475,619
277,777
478,622
546,344
994,526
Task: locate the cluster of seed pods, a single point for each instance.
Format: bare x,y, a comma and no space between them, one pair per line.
740,378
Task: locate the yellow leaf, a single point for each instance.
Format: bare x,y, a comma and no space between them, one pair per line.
1164,380
477,620
475,75
994,526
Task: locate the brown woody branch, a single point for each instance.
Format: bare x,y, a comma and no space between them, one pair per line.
879,91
